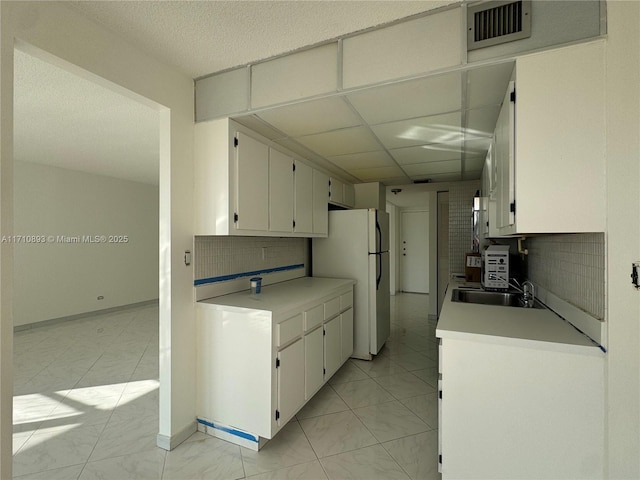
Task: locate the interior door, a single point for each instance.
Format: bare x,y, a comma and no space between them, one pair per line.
415,251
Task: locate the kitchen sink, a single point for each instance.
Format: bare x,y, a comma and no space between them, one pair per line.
507,299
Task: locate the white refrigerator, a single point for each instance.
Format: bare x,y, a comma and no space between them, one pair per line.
358,247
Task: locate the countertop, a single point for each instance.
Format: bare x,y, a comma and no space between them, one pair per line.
283,296
533,327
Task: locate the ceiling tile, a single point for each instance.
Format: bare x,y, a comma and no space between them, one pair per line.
425,154
341,142
433,168
444,177
442,129
363,160
477,146
472,164
411,99
482,121
377,173
475,175
404,180
312,117
488,85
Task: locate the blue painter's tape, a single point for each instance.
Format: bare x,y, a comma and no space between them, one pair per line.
233,276
232,431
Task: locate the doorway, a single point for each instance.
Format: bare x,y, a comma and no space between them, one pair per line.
415,251
86,194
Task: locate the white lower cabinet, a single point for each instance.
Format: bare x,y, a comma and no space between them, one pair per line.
529,412
313,362
291,371
346,320
332,347
259,360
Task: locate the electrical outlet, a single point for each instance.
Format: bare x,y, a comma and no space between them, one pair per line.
100,297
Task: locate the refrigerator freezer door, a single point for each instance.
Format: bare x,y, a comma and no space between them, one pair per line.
378,231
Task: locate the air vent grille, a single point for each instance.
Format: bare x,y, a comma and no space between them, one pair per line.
491,23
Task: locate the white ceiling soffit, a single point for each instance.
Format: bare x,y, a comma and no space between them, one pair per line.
202,37
66,121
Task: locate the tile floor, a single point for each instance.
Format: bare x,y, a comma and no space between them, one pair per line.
86,407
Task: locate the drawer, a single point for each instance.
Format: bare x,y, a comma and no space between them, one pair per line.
331,308
313,317
288,330
346,300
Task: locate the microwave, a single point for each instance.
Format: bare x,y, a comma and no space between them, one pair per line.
495,267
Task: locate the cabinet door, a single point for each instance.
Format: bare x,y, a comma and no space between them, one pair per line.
252,184
561,140
303,206
332,347
504,142
349,195
290,381
313,362
320,203
347,334
280,192
336,192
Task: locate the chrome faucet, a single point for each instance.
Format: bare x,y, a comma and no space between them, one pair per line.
528,293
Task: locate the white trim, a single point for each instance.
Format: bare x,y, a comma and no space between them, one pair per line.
168,443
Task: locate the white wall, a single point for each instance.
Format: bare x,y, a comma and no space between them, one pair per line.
623,238
57,33
67,278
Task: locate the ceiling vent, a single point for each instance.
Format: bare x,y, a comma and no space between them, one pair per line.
492,23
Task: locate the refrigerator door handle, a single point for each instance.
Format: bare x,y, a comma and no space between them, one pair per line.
379,231
379,262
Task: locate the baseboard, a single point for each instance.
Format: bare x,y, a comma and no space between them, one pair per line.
168,443
95,313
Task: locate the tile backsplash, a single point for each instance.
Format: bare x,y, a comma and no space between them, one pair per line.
572,266
460,223
217,257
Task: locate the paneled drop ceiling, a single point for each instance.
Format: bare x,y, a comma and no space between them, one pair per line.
435,129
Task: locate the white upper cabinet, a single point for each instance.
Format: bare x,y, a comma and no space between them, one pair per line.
504,158
245,185
280,192
320,202
303,186
251,162
349,195
341,193
550,175
336,191
560,140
